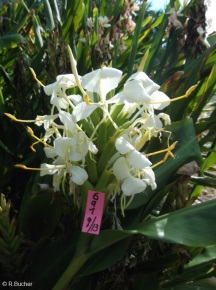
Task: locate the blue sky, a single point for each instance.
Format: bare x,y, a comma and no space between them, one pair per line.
159,4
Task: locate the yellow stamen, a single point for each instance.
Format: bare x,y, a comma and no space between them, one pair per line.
19,120
39,169
32,146
168,153
35,77
87,100
171,147
189,91
38,139
25,167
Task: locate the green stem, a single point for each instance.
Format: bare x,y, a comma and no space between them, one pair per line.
80,257
102,136
103,180
77,262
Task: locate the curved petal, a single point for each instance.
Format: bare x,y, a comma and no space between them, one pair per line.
62,146
117,99
67,119
59,102
50,169
147,83
50,152
76,99
133,185
135,92
161,98
92,148
121,169
79,147
102,81
138,160
67,80
78,175
150,177
49,89
165,118
123,146
83,110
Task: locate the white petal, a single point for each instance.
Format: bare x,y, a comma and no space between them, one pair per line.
150,177
50,152
159,97
49,88
92,148
67,119
62,146
83,110
67,80
133,185
138,160
165,117
121,169
135,92
117,99
150,122
51,169
63,82
123,146
75,99
102,81
158,123
79,147
147,83
78,175
49,120
59,102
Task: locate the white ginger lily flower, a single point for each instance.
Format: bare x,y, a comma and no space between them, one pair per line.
101,81
45,120
173,18
137,89
71,149
103,21
134,170
125,173
57,90
74,148
150,125
68,150
77,174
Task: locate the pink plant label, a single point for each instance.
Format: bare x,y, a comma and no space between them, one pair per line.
93,213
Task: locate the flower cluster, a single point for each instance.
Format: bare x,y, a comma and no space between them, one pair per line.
108,35
95,134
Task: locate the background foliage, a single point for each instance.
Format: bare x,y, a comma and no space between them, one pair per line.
165,243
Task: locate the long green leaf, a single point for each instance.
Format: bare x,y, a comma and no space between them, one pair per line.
12,41
193,226
206,284
136,39
49,15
